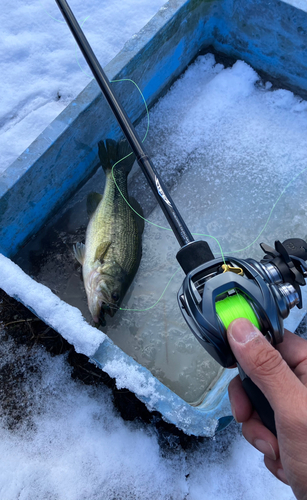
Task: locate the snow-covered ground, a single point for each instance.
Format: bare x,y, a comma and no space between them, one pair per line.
40,66
71,443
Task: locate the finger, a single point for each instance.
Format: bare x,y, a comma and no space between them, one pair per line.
265,366
276,468
241,406
260,437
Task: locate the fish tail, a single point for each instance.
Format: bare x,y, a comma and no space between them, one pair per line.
110,152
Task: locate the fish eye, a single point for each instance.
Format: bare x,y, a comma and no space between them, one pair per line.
115,296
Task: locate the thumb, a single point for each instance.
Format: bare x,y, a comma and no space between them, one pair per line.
264,365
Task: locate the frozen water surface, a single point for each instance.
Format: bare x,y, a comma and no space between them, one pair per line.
228,145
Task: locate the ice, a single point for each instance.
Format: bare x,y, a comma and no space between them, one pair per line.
69,442
41,70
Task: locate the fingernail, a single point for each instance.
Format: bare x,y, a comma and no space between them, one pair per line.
265,448
282,476
242,331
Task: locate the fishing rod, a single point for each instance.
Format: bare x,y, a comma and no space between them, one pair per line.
215,291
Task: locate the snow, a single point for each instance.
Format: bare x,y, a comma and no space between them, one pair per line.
298,4
71,443
41,70
129,377
64,318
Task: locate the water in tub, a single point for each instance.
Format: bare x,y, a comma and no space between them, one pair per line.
227,146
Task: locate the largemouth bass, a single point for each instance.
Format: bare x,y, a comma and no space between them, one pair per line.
112,251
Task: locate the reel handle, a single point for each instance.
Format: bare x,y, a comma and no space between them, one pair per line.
259,401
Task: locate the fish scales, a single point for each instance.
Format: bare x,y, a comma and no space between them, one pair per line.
116,222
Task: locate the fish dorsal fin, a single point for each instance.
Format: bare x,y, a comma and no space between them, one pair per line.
79,251
107,152
111,152
124,151
101,250
138,209
92,202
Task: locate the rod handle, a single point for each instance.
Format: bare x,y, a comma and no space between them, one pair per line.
259,402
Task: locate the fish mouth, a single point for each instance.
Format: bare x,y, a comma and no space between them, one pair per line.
100,301
106,308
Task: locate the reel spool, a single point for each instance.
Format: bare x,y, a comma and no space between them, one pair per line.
233,307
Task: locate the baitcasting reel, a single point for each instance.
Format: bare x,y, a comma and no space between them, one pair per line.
217,292
221,290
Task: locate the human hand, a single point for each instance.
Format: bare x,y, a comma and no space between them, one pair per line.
281,374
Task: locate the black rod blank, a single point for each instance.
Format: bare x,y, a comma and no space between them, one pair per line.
170,210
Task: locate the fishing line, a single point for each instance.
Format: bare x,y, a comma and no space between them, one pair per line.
225,311
57,20
281,194
151,307
76,53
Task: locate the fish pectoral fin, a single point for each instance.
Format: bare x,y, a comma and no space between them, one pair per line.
101,250
79,251
92,202
139,215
